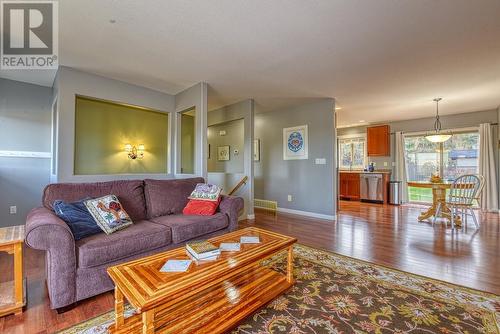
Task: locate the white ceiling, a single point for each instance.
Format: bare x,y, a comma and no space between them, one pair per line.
382,60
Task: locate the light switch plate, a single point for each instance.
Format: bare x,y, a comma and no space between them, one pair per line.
385,164
320,161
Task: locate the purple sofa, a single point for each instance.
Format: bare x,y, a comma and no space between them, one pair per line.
77,269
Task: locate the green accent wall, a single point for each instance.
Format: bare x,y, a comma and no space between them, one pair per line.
187,142
103,128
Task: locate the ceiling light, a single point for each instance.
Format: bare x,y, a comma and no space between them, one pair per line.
362,121
338,108
437,136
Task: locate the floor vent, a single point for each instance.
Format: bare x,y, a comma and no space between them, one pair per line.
265,204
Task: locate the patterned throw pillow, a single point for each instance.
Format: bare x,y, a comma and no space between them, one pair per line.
108,213
206,192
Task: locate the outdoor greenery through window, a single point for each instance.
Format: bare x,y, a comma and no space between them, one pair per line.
352,153
457,156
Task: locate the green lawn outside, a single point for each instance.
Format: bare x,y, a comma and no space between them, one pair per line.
420,194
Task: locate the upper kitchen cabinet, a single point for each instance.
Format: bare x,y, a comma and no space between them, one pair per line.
378,141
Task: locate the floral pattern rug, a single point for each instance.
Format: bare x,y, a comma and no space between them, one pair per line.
338,294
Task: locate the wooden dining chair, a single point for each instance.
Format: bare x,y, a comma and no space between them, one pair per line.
480,190
463,193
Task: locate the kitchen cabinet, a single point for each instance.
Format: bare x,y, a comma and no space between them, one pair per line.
378,141
349,186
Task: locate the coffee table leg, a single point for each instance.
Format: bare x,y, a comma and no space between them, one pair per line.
289,269
18,276
118,308
148,322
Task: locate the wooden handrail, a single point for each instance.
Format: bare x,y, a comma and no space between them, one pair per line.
238,186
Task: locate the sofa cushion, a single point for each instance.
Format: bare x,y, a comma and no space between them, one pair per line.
129,192
140,237
108,213
186,227
206,192
77,217
166,197
201,207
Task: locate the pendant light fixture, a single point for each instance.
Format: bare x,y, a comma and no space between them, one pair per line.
437,136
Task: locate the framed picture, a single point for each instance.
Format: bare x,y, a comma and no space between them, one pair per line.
223,153
256,150
295,143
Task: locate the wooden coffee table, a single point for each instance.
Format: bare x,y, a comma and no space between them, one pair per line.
210,297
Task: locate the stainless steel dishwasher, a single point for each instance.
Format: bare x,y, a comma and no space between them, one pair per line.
371,187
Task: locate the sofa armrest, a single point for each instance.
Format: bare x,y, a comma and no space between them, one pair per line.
231,206
46,231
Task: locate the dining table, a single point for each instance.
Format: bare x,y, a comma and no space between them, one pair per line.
438,196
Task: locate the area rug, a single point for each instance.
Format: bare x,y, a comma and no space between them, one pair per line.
339,294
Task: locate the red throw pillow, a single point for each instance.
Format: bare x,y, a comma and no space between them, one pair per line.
200,207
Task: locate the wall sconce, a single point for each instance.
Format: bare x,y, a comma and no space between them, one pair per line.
134,152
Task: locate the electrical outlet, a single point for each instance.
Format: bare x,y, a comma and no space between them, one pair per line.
13,210
385,164
289,198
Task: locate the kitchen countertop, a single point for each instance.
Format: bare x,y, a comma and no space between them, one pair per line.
382,171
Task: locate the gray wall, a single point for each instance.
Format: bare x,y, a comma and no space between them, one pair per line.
312,186
235,139
195,96
25,125
243,110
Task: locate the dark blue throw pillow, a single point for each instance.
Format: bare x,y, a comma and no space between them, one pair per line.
77,217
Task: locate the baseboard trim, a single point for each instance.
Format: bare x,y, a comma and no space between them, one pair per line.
307,214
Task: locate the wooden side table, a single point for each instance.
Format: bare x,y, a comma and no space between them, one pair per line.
12,298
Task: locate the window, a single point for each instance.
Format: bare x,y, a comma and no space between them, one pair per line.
457,156
352,153
461,155
422,158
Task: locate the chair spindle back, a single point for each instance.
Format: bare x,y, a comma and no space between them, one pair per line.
464,189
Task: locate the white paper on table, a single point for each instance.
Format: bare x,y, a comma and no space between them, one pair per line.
175,266
229,246
249,240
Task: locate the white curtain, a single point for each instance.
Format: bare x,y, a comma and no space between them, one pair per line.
400,172
489,196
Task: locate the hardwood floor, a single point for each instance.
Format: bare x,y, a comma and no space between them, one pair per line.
381,234
391,236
